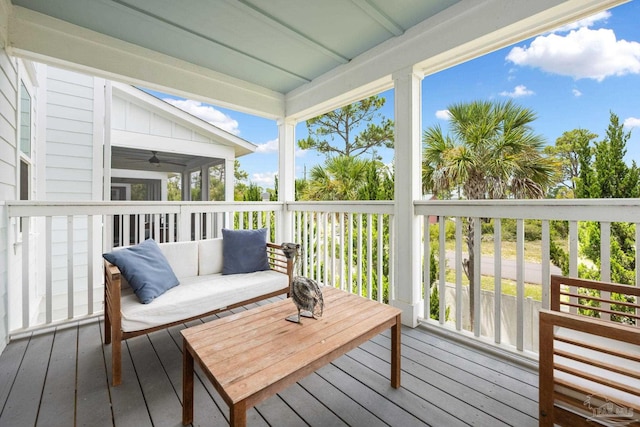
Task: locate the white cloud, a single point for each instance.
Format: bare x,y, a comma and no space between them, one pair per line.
268,147
273,146
576,93
632,122
586,22
206,113
581,54
264,179
443,114
518,91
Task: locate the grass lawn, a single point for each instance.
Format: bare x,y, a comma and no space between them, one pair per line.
508,285
532,249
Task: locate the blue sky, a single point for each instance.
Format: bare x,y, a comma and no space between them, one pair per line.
572,78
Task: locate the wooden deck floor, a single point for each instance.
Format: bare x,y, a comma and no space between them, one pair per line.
61,378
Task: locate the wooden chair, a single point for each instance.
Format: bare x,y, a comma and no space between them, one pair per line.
590,366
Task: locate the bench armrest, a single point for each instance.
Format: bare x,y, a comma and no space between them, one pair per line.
112,293
278,261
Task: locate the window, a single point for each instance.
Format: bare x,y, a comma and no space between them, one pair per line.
24,137
24,180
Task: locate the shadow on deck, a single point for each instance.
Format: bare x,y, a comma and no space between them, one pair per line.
61,378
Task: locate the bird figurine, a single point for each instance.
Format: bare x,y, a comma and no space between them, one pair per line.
305,292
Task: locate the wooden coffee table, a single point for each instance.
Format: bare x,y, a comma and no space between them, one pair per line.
253,355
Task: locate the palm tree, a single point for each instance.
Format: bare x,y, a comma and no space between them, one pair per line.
491,152
341,178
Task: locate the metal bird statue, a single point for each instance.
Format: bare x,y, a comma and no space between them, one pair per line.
305,292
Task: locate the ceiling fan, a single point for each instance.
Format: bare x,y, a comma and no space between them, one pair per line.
154,160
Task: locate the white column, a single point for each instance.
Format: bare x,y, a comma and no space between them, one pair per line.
286,177
186,186
204,183
229,176
408,130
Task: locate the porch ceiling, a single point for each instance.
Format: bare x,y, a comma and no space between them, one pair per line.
276,58
279,44
135,159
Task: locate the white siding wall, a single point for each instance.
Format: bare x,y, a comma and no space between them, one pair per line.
70,128
71,173
8,156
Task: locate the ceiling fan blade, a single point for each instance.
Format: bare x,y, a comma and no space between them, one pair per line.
154,160
174,163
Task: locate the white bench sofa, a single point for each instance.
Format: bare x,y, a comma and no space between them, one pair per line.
203,291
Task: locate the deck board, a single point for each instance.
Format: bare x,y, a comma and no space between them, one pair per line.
444,382
20,408
58,397
94,398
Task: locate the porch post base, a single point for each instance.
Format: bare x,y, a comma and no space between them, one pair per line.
410,312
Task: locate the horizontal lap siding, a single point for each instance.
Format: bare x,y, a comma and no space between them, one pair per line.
8,105
69,176
69,135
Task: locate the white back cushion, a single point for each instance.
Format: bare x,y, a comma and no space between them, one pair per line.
210,256
182,257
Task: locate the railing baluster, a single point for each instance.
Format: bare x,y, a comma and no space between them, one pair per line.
426,266
605,266
520,284
126,230
26,283
497,280
142,227
319,247
48,251
545,259
637,283
442,290
343,241
477,277
369,257
359,256
380,258
305,243
325,249
392,256
459,271
70,275
573,260
350,253
90,225
332,224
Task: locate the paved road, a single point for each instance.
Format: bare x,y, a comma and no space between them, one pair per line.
532,270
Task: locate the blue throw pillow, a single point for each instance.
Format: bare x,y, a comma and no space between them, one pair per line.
146,269
244,251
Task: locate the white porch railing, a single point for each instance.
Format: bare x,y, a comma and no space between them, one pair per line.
55,249
56,273
514,329
347,245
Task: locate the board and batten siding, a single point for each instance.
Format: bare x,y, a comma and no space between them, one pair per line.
8,158
128,116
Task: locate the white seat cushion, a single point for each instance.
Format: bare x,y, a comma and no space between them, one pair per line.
197,295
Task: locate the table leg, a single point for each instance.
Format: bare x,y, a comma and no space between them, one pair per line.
395,353
238,415
187,385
